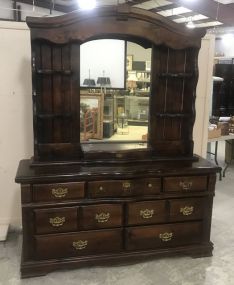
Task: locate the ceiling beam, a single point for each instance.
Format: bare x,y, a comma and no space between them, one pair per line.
209,8
164,8
47,5
135,2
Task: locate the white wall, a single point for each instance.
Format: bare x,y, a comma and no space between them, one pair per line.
204,93
225,47
16,139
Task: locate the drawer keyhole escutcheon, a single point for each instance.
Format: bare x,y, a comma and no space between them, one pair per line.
187,210
186,185
146,214
102,217
166,236
59,192
80,244
57,221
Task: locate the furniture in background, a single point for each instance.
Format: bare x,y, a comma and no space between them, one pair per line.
104,203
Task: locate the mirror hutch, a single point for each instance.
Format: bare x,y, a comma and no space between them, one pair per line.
102,203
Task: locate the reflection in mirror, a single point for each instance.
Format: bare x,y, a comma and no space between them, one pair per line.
108,114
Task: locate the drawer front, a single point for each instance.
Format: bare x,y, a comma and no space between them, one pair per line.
147,212
121,188
57,192
101,216
186,209
150,237
82,243
55,220
185,183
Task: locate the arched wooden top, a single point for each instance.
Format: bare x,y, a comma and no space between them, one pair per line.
114,22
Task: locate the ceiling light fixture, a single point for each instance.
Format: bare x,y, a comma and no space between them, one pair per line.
190,24
87,4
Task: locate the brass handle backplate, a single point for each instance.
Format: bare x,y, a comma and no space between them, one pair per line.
102,217
59,192
186,185
80,244
126,186
166,236
187,210
150,185
57,221
147,214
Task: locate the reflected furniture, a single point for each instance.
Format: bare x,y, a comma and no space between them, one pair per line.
86,204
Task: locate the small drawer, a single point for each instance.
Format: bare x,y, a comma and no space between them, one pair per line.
186,209
122,188
76,244
100,216
147,212
185,183
150,237
55,220
56,192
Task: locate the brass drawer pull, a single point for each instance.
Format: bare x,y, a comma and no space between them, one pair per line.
59,192
102,217
126,186
150,185
80,244
186,211
146,214
186,185
100,189
57,221
166,236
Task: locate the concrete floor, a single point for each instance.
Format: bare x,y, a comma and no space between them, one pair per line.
216,270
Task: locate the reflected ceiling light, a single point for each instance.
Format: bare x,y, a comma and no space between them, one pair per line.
87,4
190,25
228,39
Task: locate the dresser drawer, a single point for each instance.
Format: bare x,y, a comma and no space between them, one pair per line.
55,220
147,212
120,188
150,237
61,191
82,243
100,216
185,183
186,209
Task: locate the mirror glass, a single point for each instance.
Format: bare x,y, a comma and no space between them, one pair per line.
109,113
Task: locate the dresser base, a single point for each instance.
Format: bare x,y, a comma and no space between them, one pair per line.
40,268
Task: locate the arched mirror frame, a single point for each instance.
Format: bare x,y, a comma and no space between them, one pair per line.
56,81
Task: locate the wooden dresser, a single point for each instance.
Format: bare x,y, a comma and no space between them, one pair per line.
93,204
75,216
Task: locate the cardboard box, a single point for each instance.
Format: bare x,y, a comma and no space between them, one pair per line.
214,133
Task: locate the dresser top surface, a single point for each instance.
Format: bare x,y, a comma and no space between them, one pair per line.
31,174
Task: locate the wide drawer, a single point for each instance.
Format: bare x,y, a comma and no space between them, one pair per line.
55,220
147,212
150,237
186,209
100,216
61,191
82,243
185,183
120,188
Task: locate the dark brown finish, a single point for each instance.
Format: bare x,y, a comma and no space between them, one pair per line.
163,236
58,191
146,212
185,183
101,216
55,220
82,243
89,204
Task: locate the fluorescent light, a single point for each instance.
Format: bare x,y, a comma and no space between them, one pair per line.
87,4
190,25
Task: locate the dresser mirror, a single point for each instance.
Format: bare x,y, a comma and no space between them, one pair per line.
115,94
